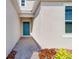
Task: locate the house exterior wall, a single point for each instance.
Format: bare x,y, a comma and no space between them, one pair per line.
12,27
49,27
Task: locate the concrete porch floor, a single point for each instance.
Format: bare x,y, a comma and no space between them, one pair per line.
25,48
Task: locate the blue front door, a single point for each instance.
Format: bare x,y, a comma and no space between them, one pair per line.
26,28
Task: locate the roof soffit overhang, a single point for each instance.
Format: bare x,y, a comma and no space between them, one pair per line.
25,13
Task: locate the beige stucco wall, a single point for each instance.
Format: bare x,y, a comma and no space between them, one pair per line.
12,27
49,27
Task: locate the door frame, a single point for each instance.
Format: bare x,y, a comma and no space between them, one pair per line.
22,27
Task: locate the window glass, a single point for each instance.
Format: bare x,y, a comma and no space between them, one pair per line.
68,13
68,26
22,1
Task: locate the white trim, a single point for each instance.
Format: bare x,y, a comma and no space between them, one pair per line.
68,35
26,36
68,20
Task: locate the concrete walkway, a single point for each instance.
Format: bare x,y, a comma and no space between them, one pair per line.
25,48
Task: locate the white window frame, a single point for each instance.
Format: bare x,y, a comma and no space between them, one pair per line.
67,35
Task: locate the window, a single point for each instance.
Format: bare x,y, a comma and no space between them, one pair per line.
68,19
22,2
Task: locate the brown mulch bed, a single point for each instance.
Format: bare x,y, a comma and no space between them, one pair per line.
11,55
